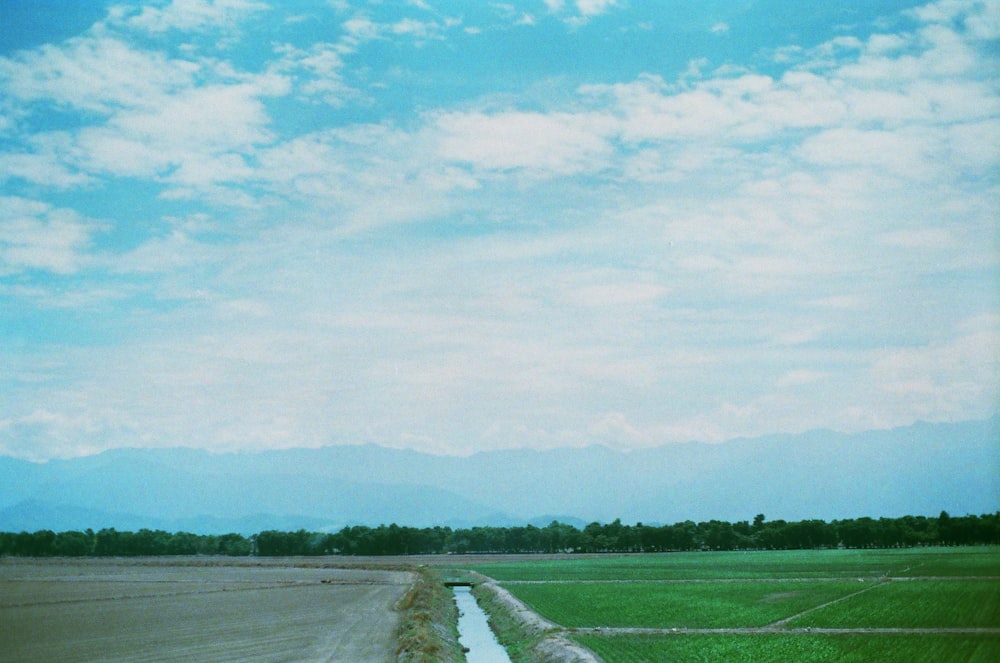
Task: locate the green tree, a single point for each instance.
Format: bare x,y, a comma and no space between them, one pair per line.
72,544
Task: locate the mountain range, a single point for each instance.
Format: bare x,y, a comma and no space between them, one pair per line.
920,469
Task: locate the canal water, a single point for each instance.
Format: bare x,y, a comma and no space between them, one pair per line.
474,631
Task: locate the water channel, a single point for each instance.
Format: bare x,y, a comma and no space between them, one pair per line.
474,631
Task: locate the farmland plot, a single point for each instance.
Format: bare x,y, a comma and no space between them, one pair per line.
749,565
129,611
845,605
676,605
916,604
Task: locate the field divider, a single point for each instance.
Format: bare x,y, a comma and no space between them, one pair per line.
780,624
707,581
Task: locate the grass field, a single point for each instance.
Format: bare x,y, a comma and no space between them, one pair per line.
931,604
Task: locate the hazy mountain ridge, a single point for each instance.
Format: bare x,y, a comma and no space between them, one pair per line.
919,469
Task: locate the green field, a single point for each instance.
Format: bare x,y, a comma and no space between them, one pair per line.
930,604
676,605
781,648
911,562
917,604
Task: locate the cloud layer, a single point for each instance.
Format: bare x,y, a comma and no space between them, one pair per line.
228,226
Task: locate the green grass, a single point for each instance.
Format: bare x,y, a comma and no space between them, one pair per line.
677,605
914,604
923,562
780,648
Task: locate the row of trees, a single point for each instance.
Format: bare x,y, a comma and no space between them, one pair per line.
112,543
393,539
760,534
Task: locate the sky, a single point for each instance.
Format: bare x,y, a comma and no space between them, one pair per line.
455,226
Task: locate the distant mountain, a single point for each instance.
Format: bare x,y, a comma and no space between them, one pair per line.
919,469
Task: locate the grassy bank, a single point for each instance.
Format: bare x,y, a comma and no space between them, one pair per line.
428,629
519,641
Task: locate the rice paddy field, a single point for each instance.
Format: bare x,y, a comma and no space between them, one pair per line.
929,604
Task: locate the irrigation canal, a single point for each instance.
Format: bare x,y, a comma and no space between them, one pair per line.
474,630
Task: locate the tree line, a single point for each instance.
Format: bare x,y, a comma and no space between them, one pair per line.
614,537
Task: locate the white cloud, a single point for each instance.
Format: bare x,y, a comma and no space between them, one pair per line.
594,7
920,238
351,170
985,24
981,18
956,378
585,269
154,117
190,15
43,434
974,145
45,165
361,29
35,235
554,143
617,295
323,64
579,12
615,428
195,139
95,73
748,107
800,377
907,153
416,28
879,44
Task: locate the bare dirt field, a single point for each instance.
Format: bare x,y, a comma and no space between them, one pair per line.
196,609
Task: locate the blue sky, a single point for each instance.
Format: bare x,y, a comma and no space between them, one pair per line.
455,226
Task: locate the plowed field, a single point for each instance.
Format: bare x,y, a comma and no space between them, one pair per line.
195,610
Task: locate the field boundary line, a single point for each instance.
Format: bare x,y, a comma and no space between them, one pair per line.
780,624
